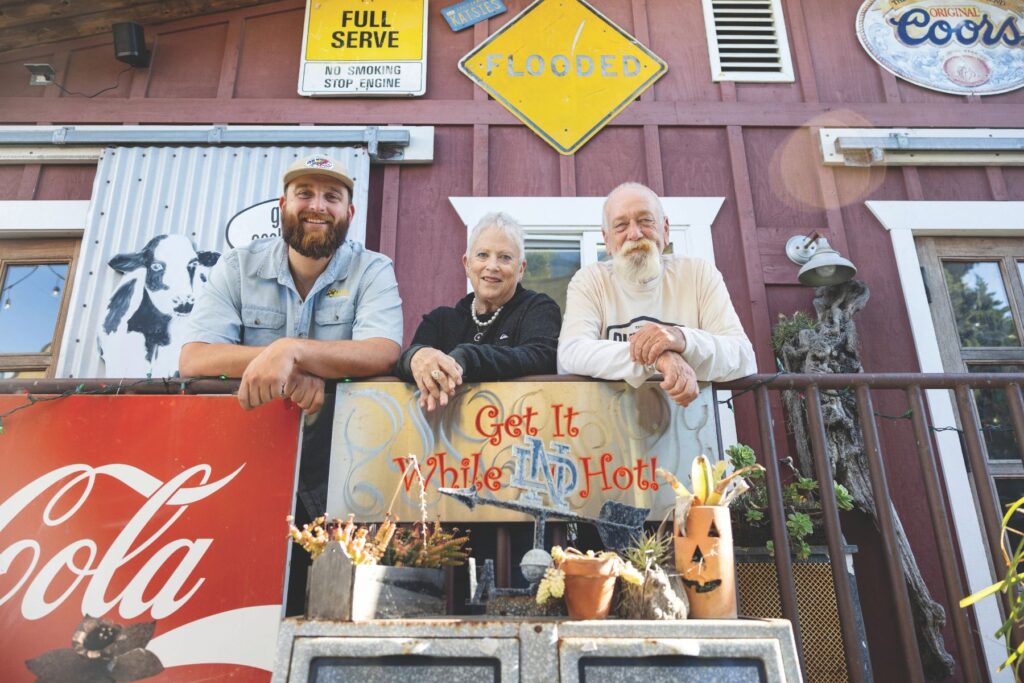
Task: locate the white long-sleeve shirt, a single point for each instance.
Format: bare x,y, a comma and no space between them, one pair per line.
602,311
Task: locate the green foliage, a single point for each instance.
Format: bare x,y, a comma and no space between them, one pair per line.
787,329
740,456
648,549
1012,585
800,500
843,498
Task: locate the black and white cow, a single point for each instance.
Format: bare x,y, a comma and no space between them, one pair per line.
137,337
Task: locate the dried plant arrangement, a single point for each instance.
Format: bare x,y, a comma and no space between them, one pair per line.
424,544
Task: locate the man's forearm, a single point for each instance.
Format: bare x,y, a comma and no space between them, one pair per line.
348,358
600,358
199,359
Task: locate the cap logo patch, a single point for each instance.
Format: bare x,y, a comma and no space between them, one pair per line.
321,163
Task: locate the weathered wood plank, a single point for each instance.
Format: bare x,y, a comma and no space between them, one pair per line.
31,24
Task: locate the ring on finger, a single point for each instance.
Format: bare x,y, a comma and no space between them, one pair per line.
436,374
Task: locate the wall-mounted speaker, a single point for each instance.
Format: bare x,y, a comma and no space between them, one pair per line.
130,44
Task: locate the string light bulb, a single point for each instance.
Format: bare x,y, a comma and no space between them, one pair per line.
56,291
7,304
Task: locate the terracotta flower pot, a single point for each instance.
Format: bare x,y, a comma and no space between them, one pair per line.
705,562
589,586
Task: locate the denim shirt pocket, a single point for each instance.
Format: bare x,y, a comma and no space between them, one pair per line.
334,319
261,326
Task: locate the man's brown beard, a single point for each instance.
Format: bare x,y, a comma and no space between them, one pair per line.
317,244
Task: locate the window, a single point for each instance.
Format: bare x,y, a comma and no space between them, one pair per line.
747,41
907,223
34,283
977,299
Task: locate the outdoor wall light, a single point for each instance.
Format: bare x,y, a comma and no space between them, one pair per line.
822,265
41,74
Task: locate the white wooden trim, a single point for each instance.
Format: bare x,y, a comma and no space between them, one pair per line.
943,155
689,219
54,154
21,219
79,143
557,214
905,221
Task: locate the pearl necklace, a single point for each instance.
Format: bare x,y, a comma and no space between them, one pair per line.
480,327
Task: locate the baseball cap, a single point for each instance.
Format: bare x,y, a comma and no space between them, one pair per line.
317,164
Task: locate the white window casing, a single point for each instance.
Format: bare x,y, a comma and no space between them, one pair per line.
747,41
905,221
32,219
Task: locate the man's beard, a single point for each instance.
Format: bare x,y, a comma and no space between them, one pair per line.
637,261
317,245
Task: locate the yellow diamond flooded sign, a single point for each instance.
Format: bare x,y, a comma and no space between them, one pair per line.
563,69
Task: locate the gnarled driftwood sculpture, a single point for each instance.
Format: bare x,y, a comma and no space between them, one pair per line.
832,347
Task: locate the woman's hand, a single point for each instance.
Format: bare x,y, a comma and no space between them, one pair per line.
437,375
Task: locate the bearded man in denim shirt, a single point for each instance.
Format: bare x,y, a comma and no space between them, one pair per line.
285,313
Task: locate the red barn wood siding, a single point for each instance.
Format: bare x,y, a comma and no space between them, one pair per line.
754,144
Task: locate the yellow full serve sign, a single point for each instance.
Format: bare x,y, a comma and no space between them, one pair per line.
563,69
360,47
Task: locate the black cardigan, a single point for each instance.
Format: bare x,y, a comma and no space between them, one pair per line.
523,341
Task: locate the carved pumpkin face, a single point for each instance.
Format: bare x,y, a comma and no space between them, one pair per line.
704,560
701,558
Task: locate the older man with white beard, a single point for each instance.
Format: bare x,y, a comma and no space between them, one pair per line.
646,313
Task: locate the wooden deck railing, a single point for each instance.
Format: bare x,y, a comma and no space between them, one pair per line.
971,664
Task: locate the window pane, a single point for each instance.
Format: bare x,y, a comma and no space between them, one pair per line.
994,412
549,270
1009,491
978,295
31,301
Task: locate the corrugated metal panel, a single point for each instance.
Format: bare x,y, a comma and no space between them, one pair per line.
143,192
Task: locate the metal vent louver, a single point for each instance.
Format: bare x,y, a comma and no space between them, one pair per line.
747,40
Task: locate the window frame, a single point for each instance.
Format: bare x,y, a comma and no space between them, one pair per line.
33,232
905,221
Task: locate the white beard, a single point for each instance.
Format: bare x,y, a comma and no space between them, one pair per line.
637,261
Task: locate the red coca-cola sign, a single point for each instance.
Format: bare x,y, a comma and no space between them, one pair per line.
143,537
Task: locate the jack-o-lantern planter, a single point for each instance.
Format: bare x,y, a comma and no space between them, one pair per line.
703,536
705,561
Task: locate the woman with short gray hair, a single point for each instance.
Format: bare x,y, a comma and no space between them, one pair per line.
499,331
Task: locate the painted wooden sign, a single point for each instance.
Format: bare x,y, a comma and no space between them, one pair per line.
356,48
142,537
563,445
469,12
563,69
961,47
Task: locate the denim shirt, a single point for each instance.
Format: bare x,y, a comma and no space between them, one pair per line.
251,298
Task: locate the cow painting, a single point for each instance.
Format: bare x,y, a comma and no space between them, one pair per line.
140,335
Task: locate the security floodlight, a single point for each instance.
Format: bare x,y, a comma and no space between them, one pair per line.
41,74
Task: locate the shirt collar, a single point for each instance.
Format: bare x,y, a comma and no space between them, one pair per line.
275,265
